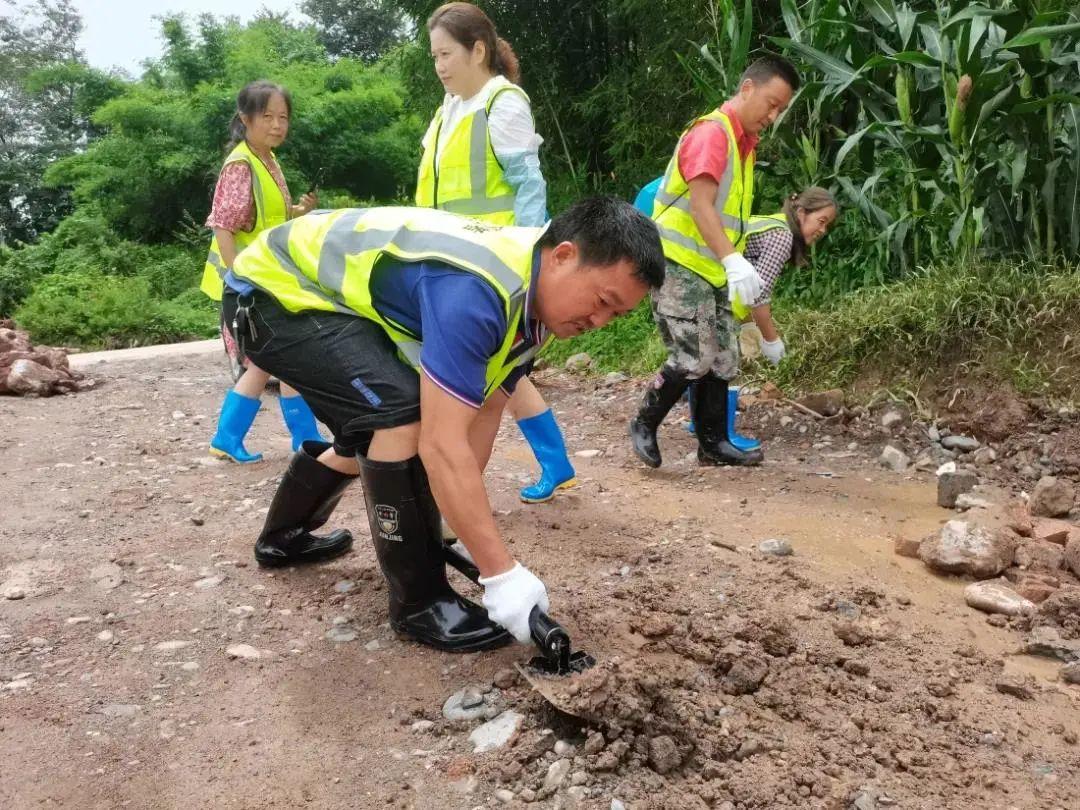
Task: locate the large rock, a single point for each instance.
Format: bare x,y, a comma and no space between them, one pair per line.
1053,531
1052,497
663,754
951,485
960,548
472,703
1047,641
894,459
827,403
578,362
1037,555
1063,610
496,733
1071,559
997,597
962,444
27,377
26,370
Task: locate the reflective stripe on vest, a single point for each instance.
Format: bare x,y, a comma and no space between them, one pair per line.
270,209
756,225
679,234
324,261
467,178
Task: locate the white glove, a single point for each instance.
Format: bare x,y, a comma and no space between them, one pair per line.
510,597
774,350
743,282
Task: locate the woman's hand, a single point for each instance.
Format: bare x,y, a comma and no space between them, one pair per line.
306,203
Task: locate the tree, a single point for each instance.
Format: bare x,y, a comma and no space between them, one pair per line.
48,95
36,35
362,29
164,137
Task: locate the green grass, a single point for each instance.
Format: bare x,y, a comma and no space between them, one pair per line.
629,344
1015,322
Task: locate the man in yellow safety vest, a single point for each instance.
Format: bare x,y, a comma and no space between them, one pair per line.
702,209
406,330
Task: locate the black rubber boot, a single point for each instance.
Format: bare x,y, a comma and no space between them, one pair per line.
710,405
660,397
405,527
307,495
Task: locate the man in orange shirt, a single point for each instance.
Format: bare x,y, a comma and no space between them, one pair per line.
702,210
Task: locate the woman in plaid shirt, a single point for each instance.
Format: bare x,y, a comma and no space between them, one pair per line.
775,242
771,247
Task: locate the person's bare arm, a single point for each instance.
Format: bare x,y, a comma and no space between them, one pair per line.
703,191
454,468
762,315
485,427
226,241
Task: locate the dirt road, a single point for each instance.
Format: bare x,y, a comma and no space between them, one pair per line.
146,662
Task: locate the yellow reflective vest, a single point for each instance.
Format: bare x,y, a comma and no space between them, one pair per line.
682,241
467,178
758,224
323,261
271,208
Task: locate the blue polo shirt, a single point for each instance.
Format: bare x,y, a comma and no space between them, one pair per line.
458,317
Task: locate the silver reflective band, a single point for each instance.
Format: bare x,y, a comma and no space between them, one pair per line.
766,224
344,240
215,260
277,240
474,206
411,349
478,156
671,235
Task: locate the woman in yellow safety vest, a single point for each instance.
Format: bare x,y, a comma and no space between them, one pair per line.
481,159
250,197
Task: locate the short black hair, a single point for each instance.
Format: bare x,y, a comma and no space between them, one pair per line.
771,67
607,230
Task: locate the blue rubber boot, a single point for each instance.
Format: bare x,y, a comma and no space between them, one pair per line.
237,414
743,443
689,397
556,472
300,421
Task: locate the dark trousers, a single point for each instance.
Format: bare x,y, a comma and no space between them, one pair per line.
345,366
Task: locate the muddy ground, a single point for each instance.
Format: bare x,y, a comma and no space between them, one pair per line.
842,676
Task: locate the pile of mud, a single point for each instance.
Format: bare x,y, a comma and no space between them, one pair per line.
783,695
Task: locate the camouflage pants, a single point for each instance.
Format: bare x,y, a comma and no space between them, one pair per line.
696,324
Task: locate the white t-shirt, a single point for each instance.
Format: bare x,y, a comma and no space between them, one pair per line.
510,122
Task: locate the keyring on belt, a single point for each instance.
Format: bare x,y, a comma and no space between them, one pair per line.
243,324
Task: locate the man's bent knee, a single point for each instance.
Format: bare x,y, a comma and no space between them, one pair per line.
395,444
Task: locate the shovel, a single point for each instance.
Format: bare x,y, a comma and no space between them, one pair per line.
556,653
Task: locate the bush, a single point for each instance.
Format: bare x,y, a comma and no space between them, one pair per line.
629,344
1014,321
92,310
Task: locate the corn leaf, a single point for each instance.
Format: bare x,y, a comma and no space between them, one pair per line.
1040,34
883,12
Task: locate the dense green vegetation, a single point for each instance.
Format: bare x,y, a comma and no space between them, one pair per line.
950,131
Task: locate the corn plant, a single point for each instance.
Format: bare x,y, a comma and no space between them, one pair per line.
960,121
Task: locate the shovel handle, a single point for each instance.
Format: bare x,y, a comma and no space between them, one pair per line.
548,635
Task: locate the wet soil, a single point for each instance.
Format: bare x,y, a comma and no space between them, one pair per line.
842,676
